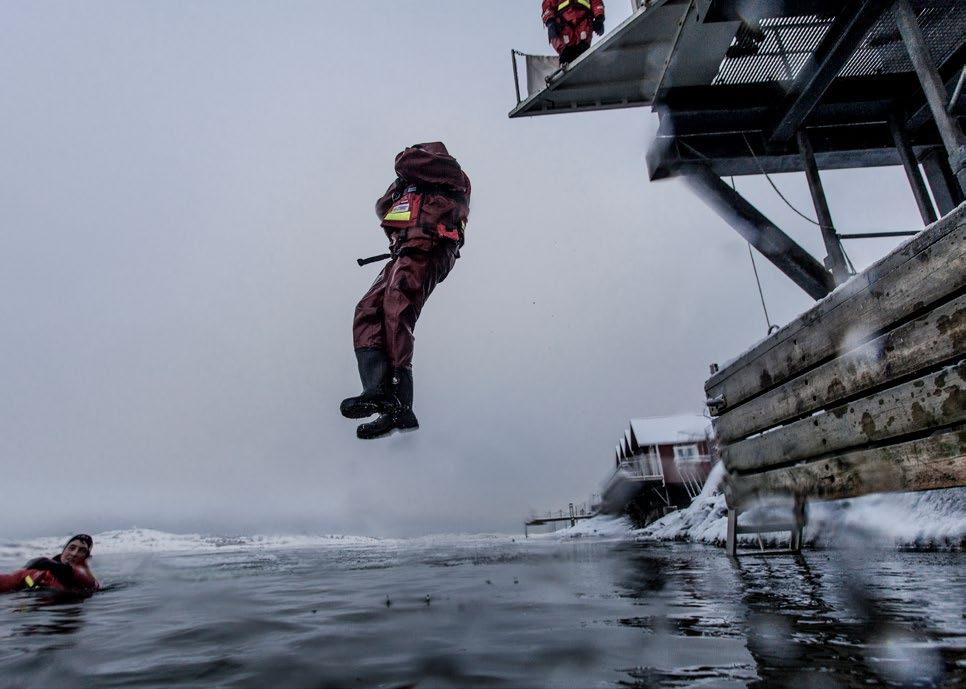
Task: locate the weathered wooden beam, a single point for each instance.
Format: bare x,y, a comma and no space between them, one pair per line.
766,528
934,338
934,401
929,267
938,461
731,538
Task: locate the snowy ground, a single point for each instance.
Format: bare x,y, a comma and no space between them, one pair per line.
928,520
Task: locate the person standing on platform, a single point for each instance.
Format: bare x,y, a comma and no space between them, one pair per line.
570,25
424,214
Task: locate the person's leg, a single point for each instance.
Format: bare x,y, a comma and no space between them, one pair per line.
367,323
573,51
369,342
410,283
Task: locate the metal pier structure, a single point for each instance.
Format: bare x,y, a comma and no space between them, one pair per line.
573,516
864,392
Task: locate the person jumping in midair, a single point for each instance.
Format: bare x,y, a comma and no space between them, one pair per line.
423,213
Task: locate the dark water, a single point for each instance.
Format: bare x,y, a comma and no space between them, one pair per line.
499,614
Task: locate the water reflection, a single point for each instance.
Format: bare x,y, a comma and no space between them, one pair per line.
842,618
49,613
504,615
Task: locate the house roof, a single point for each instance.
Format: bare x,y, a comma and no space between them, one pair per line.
663,430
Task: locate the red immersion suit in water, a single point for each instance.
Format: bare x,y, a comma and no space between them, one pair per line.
571,25
424,214
50,574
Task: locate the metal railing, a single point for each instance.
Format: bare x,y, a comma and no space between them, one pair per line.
692,473
644,466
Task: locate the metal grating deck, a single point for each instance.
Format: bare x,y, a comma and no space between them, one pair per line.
778,48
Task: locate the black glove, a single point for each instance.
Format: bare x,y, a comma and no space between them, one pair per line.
599,25
553,31
63,572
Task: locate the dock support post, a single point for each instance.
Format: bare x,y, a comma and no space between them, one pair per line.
731,540
911,166
798,532
949,130
835,260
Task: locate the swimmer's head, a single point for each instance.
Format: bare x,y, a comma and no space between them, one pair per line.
77,550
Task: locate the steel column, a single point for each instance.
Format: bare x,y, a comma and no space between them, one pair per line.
911,166
941,180
835,260
949,129
762,233
877,235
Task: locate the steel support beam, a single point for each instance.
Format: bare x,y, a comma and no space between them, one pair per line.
911,166
760,232
932,85
835,259
840,41
922,115
942,183
957,101
877,235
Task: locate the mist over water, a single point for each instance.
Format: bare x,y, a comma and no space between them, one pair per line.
493,612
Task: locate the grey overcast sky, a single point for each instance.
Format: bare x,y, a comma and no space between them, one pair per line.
184,187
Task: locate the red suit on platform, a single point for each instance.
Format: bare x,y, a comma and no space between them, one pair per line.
423,213
571,25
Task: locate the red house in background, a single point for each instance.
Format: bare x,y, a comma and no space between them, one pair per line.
666,459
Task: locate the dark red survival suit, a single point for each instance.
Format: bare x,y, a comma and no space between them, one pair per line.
570,24
424,214
51,574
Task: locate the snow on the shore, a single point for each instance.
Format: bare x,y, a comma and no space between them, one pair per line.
926,520
139,541
601,526
931,519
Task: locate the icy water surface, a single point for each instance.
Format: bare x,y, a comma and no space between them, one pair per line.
482,612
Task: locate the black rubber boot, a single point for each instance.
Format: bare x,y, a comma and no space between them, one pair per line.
401,416
375,397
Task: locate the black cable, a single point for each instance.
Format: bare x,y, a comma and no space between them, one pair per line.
754,266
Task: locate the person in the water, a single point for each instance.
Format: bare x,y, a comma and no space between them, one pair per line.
68,571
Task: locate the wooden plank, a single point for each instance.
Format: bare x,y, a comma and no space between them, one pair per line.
919,345
847,293
932,265
938,461
766,528
938,399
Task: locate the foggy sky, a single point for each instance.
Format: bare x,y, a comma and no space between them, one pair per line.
184,187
